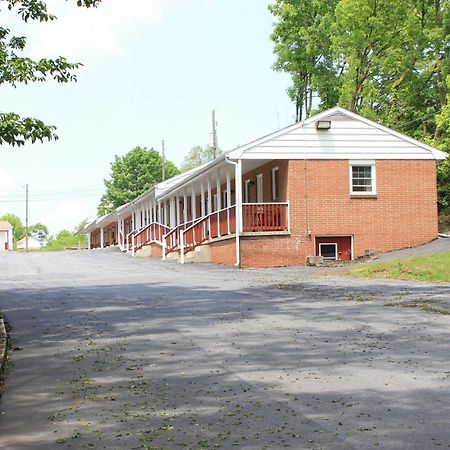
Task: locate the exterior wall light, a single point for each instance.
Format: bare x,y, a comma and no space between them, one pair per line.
323,124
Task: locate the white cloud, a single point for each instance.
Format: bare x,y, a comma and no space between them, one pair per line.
7,182
66,215
82,34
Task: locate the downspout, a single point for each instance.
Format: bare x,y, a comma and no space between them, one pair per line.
238,213
307,230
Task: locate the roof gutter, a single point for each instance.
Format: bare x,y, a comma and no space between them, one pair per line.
192,177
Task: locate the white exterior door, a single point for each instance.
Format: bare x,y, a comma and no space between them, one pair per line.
259,189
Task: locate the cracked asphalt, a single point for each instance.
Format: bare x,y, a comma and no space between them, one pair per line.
112,352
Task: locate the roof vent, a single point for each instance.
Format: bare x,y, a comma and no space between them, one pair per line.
323,124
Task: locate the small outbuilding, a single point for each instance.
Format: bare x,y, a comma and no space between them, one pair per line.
33,244
6,236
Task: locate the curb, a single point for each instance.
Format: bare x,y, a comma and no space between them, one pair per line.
3,344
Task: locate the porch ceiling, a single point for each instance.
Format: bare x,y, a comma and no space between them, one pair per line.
247,165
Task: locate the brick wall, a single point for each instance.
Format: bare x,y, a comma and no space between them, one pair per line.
403,214
224,252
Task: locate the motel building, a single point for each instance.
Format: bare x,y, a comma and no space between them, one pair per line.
337,186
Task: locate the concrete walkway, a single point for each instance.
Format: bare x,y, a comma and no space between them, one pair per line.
119,353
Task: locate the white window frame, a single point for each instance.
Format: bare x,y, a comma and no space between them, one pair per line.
335,251
274,196
363,163
247,191
259,188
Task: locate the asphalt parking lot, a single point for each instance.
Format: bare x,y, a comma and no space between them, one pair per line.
113,352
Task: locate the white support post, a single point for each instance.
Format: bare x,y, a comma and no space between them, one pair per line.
238,190
228,204
218,191
193,204
164,247
172,212
202,199
182,247
219,200
178,210
88,236
185,205
101,238
209,209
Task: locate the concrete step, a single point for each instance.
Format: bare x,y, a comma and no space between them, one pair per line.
202,253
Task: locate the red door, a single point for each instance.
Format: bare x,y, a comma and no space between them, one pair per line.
337,248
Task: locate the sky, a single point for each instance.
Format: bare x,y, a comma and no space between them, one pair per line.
152,70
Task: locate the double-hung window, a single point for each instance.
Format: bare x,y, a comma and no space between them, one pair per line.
362,178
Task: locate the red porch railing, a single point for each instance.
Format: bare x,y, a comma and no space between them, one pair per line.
265,217
171,240
152,232
217,224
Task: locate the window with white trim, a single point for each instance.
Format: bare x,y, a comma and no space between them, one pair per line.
247,191
362,178
275,184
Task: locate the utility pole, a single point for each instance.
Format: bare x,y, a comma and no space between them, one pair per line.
214,134
26,218
163,159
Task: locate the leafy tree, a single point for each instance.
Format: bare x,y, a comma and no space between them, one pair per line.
197,156
79,229
131,175
389,61
65,239
302,37
16,68
18,228
39,231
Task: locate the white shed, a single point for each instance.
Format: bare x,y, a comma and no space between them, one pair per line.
33,244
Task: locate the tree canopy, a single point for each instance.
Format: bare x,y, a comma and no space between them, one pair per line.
18,228
16,68
39,231
387,60
197,156
131,175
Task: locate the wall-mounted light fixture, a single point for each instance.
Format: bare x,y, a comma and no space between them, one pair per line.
323,124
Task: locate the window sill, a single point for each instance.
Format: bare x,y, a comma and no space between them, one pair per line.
365,196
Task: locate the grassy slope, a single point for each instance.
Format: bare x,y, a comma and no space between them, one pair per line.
433,268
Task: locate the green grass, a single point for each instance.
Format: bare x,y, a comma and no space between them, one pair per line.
433,268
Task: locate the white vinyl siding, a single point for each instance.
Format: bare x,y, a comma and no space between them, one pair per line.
348,138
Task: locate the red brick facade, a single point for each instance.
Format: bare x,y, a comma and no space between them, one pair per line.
402,214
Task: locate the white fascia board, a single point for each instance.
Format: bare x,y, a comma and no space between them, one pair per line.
91,226
107,220
269,156
192,175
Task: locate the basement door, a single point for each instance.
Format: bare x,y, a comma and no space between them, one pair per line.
337,248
